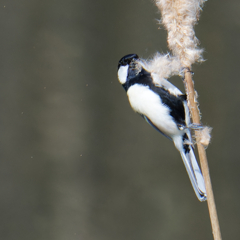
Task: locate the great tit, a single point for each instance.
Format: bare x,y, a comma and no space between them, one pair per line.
165,108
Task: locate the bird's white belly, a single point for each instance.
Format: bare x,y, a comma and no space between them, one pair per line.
148,103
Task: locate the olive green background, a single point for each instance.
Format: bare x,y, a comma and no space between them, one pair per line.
75,161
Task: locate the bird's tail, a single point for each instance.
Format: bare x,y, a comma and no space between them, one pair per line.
194,173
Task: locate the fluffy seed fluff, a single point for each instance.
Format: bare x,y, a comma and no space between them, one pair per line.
205,136
164,66
179,18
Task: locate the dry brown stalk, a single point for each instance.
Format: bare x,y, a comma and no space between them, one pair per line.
179,18
193,106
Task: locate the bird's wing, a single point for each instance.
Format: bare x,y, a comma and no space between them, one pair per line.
174,102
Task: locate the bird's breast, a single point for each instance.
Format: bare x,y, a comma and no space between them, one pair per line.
146,102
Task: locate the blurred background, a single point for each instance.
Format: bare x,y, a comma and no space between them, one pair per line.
76,162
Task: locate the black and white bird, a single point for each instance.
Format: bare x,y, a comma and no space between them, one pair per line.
165,108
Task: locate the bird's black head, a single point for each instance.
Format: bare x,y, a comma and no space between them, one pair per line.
126,60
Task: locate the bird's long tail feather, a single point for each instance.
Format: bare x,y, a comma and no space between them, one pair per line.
194,173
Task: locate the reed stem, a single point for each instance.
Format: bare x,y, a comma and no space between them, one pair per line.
193,106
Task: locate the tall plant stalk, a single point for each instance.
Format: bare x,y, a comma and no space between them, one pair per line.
179,18
202,157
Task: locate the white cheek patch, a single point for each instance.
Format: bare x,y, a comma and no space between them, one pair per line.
122,74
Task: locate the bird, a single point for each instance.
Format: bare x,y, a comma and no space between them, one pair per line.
165,108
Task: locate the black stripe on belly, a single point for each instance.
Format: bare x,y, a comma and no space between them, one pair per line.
186,147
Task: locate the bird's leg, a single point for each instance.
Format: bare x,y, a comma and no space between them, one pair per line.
196,126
